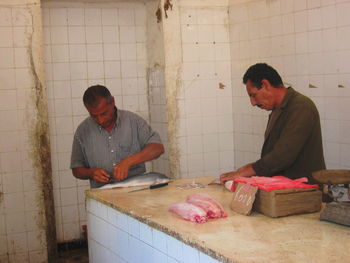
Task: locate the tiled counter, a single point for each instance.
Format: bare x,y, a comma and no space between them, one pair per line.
116,237
137,227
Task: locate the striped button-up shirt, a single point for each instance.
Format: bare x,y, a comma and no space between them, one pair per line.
94,147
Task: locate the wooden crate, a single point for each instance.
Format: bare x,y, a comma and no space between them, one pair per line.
286,202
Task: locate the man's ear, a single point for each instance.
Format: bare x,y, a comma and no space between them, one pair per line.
265,83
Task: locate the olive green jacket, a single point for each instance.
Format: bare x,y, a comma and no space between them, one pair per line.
293,144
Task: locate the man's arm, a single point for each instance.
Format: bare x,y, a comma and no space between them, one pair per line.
96,174
150,152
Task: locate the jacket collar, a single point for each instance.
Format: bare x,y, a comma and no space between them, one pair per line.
290,93
278,111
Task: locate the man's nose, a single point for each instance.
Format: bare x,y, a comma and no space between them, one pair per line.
253,101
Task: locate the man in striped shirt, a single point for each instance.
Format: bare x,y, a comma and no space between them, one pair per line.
111,144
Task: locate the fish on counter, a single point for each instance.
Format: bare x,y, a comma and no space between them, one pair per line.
196,205
151,178
213,208
189,212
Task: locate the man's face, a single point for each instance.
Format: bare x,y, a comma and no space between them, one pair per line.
262,98
103,114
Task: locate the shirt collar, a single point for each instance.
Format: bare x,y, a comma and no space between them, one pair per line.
117,121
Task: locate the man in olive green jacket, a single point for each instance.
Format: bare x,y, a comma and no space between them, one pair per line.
293,139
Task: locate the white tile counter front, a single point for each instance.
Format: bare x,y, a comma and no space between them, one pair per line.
116,237
137,227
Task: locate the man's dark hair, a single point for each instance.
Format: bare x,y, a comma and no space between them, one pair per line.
94,93
260,71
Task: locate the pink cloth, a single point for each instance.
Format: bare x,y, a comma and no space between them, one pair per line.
274,182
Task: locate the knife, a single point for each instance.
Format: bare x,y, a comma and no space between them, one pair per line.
153,186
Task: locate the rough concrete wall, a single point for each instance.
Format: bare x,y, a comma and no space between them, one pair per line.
155,41
35,124
39,133
169,42
156,85
164,57
173,62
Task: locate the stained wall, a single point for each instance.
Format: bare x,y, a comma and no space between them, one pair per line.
26,200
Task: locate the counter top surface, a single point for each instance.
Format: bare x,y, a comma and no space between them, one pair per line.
237,238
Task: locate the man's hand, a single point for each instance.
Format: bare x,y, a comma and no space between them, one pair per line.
244,167
228,176
150,152
245,171
100,175
121,170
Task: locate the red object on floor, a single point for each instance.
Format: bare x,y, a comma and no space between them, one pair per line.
84,227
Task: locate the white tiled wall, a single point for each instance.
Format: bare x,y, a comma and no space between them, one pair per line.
116,237
308,42
206,123
158,116
86,46
22,237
